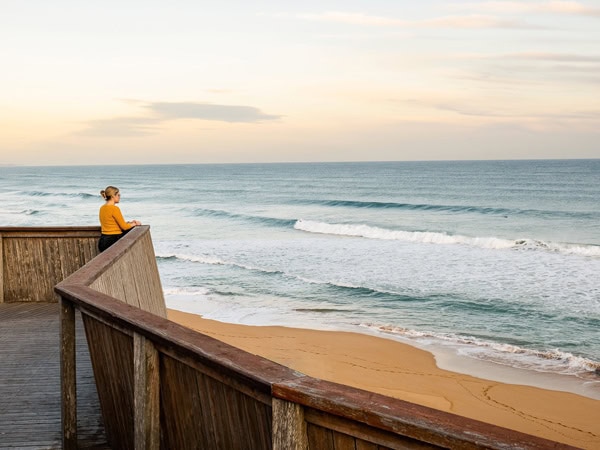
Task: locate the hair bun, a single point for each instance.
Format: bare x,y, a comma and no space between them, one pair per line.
109,192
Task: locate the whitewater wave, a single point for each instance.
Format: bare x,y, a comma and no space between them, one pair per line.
212,261
26,212
59,194
186,291
430,237
350,289
331,287
555,360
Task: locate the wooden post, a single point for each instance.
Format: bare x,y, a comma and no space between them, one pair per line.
289,426
146,394
1,270
68,374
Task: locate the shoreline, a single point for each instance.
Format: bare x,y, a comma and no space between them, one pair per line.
448,359
399,370
501,373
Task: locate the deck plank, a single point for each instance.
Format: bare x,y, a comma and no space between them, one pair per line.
30,380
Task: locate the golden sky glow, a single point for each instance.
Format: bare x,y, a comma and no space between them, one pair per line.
233,81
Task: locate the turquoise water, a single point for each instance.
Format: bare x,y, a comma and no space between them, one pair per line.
495,261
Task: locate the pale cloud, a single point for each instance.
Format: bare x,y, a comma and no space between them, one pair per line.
354,19
532,56
562,57
466,110
473,110
472,21
168,111
551,78
403,34
556,7
594,71
457,21
208,111
533,68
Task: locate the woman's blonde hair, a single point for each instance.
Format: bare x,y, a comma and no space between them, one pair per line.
109,192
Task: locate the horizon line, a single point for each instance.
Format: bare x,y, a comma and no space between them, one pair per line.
8,165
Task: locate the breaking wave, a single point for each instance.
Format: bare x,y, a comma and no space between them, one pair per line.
430,237
60,194
25,212
213,261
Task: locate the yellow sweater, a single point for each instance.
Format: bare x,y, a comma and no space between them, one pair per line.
111,220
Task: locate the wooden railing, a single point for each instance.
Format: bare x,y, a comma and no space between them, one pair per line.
162,385
33,260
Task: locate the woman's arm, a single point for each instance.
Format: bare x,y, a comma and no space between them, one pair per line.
120,221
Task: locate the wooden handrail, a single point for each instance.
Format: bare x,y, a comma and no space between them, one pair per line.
57,229
175,339
216,381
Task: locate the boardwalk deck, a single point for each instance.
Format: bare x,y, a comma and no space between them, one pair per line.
30,395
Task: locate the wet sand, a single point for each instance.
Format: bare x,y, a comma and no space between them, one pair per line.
405,372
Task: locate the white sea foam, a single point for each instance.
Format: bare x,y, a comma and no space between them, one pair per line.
426,237
553,361
185,291
213,261
191,258
221,262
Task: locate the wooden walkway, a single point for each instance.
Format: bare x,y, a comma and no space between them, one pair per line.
30,381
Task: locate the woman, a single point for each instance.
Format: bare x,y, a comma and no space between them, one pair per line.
112,223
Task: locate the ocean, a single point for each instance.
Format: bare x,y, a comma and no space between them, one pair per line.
481,262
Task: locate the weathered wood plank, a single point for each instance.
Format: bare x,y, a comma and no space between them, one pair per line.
111,353
364,435
2,266
319,438
146,394
133,277
362,445
343,441
205,413
68,375
190,420
77,231
289,426
30,394
249,373
34,261
405,420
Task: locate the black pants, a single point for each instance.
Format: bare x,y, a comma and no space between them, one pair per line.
106,240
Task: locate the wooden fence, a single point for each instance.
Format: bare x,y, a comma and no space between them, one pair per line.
162,385
33,260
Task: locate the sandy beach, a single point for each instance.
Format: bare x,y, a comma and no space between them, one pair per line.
399,370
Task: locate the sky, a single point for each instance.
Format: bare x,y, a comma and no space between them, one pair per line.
154,82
